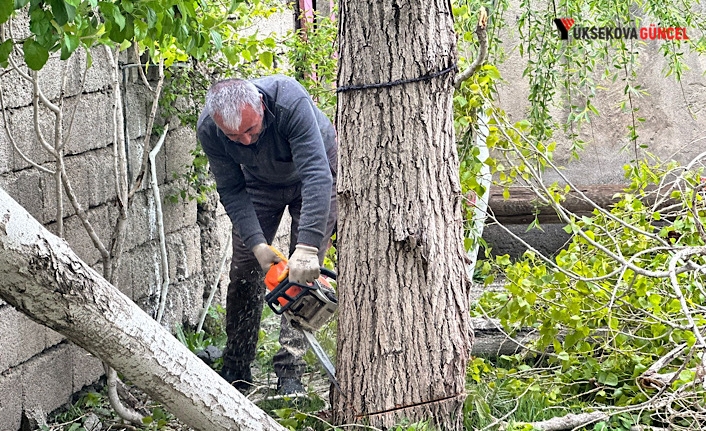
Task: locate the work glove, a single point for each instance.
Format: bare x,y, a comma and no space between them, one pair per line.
304,264
266,255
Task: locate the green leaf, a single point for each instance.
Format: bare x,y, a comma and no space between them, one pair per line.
611,379
266,58
5,50
36,55
125,33
63,12
151,17
40,22
217,39
20,3
69,45
6,9
110,10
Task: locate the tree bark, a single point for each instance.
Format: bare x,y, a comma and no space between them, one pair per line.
403,333
44,279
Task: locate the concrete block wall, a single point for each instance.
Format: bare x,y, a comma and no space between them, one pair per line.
38,367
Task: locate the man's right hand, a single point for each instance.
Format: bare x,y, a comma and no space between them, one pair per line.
266,255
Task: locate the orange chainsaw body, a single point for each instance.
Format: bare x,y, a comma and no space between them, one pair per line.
306,306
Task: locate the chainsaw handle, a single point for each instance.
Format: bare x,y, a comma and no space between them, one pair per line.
328,273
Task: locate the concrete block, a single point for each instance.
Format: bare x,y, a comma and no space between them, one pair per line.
213,242
102,219
134,150
143,218
98,75
87,369
51,337
178,215
184,303
27,188
52,74
145,279
24,133
92,181
93,125
193,294
20,338
173,310
184,253
220,209
10,400
6,152
47,185
47,379
124,274
77,169
177,147
17,92
101,178
142,221
138,103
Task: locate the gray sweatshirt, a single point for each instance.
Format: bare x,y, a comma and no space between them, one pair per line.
297,144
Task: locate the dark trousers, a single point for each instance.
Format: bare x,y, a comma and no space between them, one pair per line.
246,290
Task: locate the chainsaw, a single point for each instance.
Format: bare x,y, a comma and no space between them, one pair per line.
307,307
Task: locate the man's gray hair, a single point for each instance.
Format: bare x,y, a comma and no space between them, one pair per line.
228,97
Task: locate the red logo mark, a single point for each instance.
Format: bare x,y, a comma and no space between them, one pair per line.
567,23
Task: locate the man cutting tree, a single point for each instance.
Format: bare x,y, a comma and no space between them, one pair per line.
269,148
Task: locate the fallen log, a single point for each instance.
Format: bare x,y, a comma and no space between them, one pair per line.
490,341
523,205
43,278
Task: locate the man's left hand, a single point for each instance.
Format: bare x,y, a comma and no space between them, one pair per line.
304,264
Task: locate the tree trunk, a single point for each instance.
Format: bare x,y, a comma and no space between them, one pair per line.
403,332
43,278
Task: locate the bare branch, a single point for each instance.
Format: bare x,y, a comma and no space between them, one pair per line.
83,216
150,123
119,161
214,286
124,412
570,421
651,378
35,106
160,225
139,68
481,32
59,150
695,212
679,255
